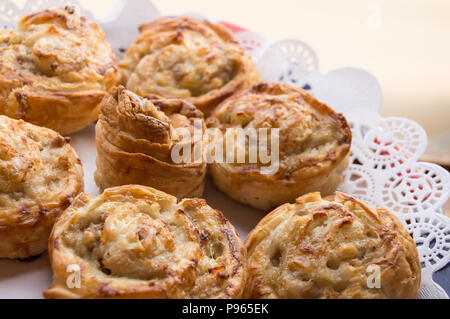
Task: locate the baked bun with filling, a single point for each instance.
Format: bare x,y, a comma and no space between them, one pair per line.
135,138
317,248
187,58
314,144
137,242
40,174
54,70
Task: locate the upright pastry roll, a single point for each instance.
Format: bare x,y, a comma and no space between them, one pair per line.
135,138
308,154
187,58
40,174
338,248
54,70
137,242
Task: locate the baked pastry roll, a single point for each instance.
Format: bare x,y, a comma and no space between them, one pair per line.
313,145
40,174
187,58
339,248
54,70
135,138
137,242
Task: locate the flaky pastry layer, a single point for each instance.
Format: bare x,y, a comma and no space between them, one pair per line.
135,138
136,242
314,144
54,70
40,174
336,248
187,58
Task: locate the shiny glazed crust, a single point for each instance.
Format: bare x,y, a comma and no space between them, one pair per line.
40,174
135,138
314,144
317,248
187,58
54,70
137,242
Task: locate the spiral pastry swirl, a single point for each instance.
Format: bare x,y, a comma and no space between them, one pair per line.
54,70
331,248
189,59
135,138
313,145
136,242
40,174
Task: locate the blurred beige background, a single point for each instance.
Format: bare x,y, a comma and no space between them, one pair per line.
405,44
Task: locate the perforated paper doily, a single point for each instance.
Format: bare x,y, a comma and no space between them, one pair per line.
384,169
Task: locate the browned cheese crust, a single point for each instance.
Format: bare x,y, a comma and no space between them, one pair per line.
40,174
314,144
54,70
135,138
317,248
187,58
137,242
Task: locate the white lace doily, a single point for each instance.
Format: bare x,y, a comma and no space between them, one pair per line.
384,169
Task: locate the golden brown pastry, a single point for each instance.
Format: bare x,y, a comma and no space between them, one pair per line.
314,144
137,242
187,58
54,70
40,174
317,248
135,138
